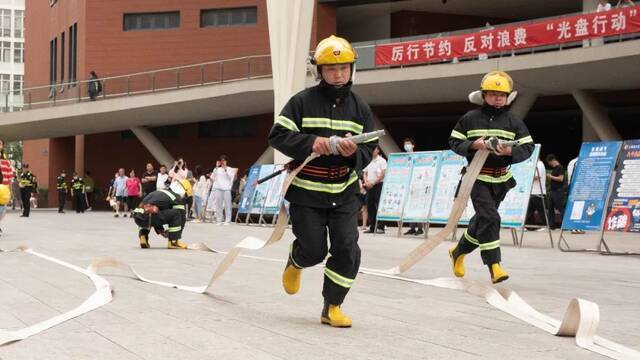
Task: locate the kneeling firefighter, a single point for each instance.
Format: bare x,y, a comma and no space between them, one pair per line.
323,195
162,208
491,127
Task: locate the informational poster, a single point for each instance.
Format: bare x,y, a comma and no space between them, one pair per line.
447,183
395,187
261,191
275,195
590,186
513,209
421,189
247,194
624,205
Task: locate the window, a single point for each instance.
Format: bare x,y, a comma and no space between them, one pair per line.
18,52
151,21
53,60
73,52
229,17
5,82
18,24
62,57
5,51
238,127
5,23
18,80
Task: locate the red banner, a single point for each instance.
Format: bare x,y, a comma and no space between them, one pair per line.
495,40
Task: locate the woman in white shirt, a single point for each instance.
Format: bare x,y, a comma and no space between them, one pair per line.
223,176
199,193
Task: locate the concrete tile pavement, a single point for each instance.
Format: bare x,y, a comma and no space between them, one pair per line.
248,316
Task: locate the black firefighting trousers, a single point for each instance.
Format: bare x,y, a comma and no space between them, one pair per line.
173,218
310,226
62,198
484,227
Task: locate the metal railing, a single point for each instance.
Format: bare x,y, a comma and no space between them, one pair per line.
179,77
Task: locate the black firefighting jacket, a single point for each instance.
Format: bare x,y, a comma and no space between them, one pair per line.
488,121
323,111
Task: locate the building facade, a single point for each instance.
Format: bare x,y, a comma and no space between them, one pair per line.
12,53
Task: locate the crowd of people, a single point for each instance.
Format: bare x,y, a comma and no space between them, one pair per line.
214,189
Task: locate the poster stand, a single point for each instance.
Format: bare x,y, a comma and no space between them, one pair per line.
518,240
601,242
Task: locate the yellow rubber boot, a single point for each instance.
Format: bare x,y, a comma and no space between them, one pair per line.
332,315
497,273
144,241
458,262
291,278
176,244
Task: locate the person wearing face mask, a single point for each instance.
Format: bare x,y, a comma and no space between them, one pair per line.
493,119
414,228
323,195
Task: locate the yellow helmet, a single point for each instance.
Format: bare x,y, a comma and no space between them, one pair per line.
187,187
497,81
334,50
5,195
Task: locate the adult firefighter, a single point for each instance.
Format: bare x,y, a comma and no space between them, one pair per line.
323,196
493,119
164,207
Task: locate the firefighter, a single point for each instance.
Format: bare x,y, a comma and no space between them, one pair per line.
164,207
26,188
493,119
323,196
62,187
77,193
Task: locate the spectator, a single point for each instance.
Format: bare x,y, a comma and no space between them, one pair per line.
241,183
210,203
149,179
223,176
6,177
200,194
178,171
373,178
95,86
362,196
34,194
134,191
603,6
111,194
89,188
538,192
556,195
189,199
120,188
624,3
162,182
414,229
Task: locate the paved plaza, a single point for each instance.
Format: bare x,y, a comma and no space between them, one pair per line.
247,315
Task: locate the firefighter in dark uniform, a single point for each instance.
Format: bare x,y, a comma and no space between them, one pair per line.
62,187
493,119
164,207
323,196
77,193
26,188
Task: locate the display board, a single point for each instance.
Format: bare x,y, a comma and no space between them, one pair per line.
274,194
425,166
448,179
590,186
247,194
261,190
513,209
395,187
624,204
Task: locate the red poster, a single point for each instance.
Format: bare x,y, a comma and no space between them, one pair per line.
495,40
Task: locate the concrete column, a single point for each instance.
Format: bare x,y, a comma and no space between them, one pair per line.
596,115
588,133
79,156
154,145
387,144
266,157
289,40
523,104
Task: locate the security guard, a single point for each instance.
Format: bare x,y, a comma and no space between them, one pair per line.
493,119
323,196
164,207
77,192
61,186
26,188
